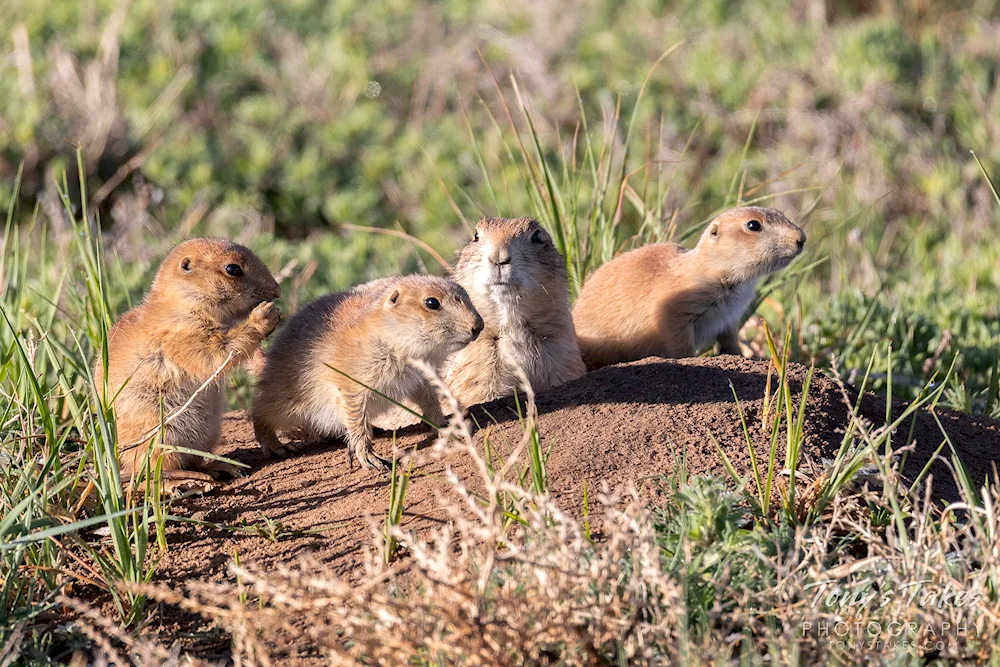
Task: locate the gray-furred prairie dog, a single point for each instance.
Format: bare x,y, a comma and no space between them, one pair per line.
664,300
517,280
369,333
211,300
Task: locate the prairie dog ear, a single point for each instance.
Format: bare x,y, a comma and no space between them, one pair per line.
713,230
186,265
393,299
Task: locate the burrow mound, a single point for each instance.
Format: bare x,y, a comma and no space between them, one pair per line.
621,424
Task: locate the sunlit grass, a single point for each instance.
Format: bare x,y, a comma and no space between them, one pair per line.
847,306
61,478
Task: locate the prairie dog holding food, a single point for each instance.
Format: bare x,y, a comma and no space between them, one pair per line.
517,280
664,300
211,300
369,333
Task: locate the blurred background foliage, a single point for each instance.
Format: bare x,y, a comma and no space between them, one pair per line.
282,123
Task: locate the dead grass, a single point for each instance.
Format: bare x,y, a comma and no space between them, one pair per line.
701,579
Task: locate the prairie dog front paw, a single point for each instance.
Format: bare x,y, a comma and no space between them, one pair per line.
264,318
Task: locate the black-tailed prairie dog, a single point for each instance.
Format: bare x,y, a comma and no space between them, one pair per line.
663,300
314,371
210,306
517,280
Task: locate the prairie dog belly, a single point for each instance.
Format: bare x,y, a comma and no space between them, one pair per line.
323,419
723,313
324,415
407,385
313,410
522,350
200,424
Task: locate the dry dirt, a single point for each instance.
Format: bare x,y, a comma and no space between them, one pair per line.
621,424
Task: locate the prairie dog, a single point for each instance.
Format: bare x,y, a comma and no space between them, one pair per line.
369,333
664,300
210,299
517,280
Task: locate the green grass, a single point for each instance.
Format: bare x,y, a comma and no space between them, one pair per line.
707,574
644,123
399,481
61,452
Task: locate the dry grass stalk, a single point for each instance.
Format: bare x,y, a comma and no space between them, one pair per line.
482,590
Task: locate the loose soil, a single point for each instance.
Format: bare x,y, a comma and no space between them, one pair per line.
632,423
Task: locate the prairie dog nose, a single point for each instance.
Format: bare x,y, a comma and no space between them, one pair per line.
500,256
477,327
801,242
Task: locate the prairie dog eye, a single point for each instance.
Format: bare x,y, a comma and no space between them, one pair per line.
432,303
537,236
754,225
475,237
234,270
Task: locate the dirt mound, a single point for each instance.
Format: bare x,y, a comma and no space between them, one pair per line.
628,423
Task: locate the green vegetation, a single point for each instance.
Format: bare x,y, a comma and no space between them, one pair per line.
843,574
291,126
60,479
306,118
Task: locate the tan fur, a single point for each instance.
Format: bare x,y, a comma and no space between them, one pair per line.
517,280
663,300
369,333
194,316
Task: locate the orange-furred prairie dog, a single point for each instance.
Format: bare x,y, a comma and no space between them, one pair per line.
517,280
211,300
369,333
663,300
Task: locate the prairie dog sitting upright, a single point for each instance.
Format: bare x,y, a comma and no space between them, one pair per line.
663,300
517,280
211,300
369,333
